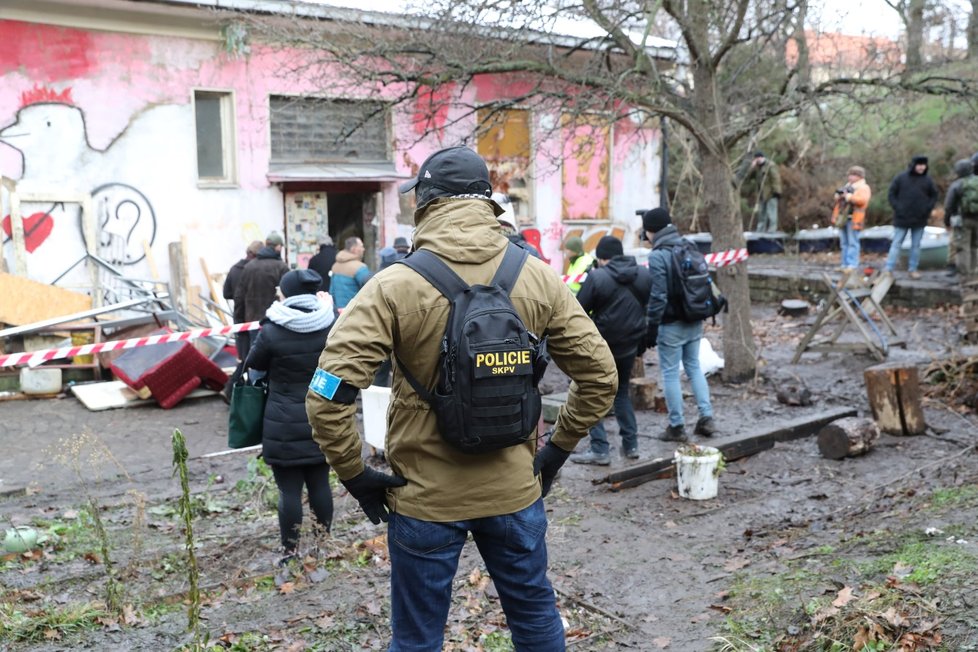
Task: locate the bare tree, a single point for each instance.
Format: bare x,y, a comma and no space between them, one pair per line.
911,13
723,81
973,32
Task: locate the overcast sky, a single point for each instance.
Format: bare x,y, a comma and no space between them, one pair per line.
846,16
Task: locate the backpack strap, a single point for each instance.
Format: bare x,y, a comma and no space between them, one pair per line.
509,270
435,271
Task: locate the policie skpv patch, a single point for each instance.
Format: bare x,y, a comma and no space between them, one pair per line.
516,362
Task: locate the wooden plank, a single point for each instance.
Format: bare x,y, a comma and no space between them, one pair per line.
17,233
23,301
794,429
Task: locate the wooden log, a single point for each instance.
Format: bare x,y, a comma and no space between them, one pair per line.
642,393
847,437
894,397
638,367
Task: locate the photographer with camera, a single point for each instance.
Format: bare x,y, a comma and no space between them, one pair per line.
849,215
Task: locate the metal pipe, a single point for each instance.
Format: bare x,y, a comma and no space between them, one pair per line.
54,321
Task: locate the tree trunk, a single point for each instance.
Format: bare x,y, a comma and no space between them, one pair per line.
894,396
915,35
847,437
801,41
720,203
973,32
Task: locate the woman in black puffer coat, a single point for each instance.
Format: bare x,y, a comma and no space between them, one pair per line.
288,346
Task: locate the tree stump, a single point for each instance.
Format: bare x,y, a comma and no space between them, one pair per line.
638,367
894,396
847,437
642,393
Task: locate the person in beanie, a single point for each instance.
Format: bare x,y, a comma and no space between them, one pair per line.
287,347
580,262
231,280
437,494
677,341
849,215
323,261
616,295
401,246
763,178
912,196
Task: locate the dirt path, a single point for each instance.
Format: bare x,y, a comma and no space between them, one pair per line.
637,569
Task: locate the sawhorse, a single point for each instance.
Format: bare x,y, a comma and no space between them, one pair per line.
853,307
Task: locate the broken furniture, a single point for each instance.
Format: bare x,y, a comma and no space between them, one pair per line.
169,371
858,308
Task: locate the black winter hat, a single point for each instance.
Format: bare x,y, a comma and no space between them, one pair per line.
656,219
759,154
300,281
608,247
456,170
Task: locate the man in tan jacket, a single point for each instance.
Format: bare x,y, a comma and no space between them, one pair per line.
440,494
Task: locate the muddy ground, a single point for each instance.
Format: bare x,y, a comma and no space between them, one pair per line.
790,537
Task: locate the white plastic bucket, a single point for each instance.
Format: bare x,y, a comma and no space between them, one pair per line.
375,401
40,380
697,475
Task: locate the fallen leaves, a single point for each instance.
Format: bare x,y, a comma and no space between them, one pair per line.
844,597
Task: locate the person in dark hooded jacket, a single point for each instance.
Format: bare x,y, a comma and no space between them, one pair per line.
287,347
912,196
616,294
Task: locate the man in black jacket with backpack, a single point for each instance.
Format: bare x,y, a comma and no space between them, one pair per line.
615,294
678,339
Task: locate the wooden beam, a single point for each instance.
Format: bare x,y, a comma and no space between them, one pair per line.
664,467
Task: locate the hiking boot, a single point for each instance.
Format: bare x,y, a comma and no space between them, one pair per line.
915,275
590,457
674,433
705,427
631,453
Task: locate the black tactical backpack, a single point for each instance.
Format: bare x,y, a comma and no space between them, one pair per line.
486,394
694,295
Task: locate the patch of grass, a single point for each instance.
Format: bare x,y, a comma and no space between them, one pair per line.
497,641
927,561
954,495
45,624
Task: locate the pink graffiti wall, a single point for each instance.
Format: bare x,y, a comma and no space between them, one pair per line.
111,114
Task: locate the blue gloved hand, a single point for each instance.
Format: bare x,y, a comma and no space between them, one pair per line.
370,490
547,463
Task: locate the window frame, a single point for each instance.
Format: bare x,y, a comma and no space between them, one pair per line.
229,141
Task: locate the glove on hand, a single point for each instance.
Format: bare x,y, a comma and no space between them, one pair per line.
547,463
651,336
370,489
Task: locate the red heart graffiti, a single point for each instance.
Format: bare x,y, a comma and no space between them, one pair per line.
37,228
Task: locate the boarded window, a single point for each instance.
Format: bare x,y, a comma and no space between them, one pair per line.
214,117
503,140
586,168
309,130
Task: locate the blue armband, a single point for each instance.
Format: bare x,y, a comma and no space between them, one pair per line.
332,387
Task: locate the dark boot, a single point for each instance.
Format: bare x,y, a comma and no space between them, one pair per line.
705,427
590,457
674,433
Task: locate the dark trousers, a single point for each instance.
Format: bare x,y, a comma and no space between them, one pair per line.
290,480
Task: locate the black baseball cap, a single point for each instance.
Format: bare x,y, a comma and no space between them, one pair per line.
455,170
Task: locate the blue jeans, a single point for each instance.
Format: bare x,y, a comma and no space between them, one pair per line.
624,414
424,559
681,341
849,240
899,234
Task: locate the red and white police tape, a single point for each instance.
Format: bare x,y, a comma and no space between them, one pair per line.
33,358
717,259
